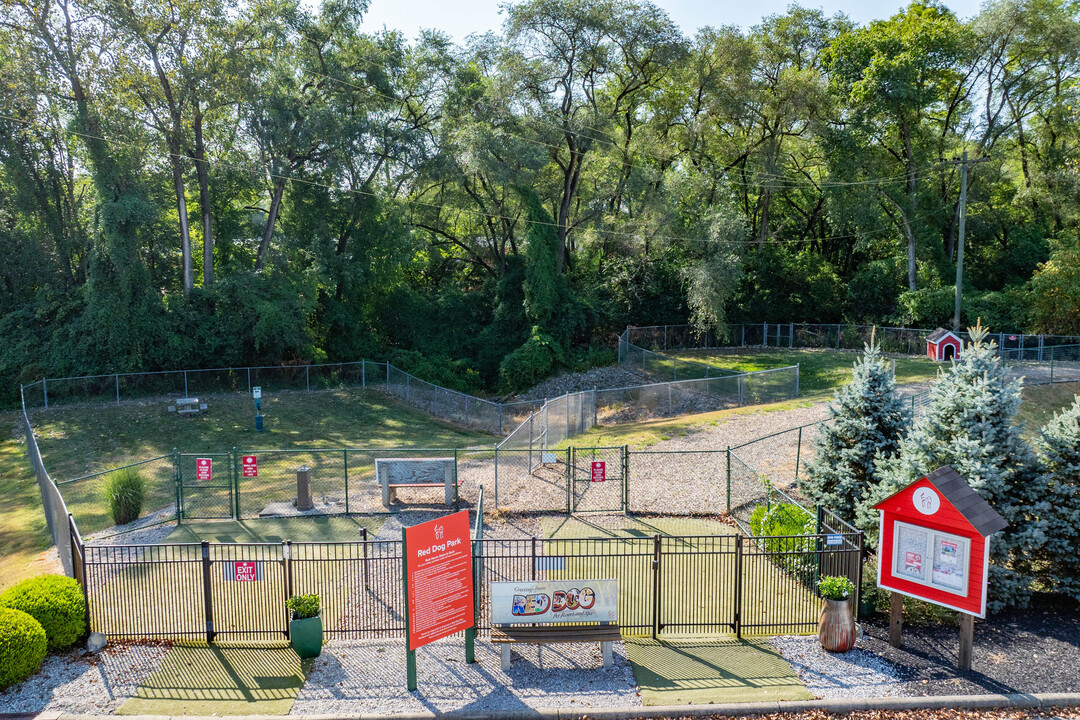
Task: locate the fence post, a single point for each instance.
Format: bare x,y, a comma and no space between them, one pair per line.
791,335
345,461
387,376
728,501
657,585
45,388
570,460
626,479
186,394
797,379
118,390
838,331
249,381
531,415
738,585
665,338
179,487
363,374
675,369
207,595
307,377
364,540
79,571
236,483
496,476
765,334
595,399
742,327
533,558
1051,364
858,584
286,570
798,454
500,428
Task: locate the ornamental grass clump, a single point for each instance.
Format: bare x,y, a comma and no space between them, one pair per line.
125,491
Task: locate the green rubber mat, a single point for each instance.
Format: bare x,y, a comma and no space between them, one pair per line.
213,680
721,670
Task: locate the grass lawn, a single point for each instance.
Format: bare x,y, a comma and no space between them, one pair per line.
1042,401
23,532
821,372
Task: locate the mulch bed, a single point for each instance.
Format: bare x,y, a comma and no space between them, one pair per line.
1018,651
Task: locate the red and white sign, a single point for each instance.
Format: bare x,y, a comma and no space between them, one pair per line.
250,466
599,471
203,468
245,571
439,578
931,550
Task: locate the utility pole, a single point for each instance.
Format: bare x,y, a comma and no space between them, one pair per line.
963,162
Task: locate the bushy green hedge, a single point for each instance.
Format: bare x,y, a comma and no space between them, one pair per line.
125,491
22,646
530,363
54,601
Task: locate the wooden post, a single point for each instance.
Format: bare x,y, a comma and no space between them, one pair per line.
896,619
967,640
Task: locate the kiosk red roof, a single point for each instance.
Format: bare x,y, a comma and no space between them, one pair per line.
952,486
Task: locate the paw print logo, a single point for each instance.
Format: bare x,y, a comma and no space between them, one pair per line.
439,532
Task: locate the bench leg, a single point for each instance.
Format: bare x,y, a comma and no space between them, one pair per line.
605,649
505,657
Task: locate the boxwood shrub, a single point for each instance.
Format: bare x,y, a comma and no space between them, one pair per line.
54,601
22,646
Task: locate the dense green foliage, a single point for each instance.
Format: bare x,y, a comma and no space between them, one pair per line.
835,587
1059,448
866,421
234,182
22,646
125,491
54,601
303,606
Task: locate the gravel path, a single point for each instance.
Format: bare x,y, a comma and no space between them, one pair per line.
369,677
611,376
858,673
72,682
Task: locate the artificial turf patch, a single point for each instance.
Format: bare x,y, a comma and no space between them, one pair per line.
700,671
215,680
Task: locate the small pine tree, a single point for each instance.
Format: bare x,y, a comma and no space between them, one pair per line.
866,422
1059,451
969,424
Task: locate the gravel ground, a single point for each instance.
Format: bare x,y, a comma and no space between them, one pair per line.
88,684
611,376
858,673
1032,650
367,677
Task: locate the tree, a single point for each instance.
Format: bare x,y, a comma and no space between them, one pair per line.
1059,450
866,423
970,424
1055,291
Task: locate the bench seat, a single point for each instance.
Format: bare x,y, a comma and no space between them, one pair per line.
505,635
397,485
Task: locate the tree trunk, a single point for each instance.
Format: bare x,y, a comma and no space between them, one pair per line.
203,176
181,209
909,156
763,231
271,220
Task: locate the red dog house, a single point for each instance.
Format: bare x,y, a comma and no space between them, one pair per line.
935,542
943,344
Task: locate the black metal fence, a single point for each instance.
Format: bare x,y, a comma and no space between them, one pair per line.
667,584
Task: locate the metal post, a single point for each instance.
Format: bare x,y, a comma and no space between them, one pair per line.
236,483
207,596
791,335
410,654
345,461
45,387
176,480
118,390
186,394
364,540
765,334
249,381
286,571
531,415
363,374
500,428
665,338
838,336
798,454
496,476
738,585
307,376
727,505
675,369
797,379
534,558
657,585
743,329
1051,364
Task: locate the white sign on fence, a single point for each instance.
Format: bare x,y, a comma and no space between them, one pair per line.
554,601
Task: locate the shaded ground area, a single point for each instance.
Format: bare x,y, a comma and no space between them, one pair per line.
1018,651
701,671
216,680
275,530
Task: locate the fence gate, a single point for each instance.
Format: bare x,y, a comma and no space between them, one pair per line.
246,586
205,486
597,479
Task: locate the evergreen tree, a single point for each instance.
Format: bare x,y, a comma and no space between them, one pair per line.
866,422
1059,450
969,424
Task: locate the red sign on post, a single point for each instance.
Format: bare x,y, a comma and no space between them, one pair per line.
250,466
245,571
599,471
203,468
439,577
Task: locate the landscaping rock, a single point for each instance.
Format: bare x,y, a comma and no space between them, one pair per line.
97,642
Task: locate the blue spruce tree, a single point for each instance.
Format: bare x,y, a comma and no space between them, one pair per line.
1059,449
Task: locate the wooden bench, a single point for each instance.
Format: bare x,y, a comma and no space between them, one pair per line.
604,633
393,473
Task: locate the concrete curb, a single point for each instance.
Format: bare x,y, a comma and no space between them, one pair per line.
953,702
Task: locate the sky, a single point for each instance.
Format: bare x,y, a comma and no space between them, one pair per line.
459,18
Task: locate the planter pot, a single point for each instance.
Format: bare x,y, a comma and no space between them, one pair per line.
836,628
306,636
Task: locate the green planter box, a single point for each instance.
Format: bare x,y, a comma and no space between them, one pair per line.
306,636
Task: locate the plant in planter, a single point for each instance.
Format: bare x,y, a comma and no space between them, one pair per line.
836,628
305,625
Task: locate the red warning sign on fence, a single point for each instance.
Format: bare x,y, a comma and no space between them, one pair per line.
203,468
250,466
599,471
246,571
439,578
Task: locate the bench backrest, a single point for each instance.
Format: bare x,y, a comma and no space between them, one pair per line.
407,471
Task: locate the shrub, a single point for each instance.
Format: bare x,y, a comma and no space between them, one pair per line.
303,606
835,587
781,519
22,646
125,491
56,602
530,363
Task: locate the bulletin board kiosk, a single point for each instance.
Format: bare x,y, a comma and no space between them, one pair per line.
935,541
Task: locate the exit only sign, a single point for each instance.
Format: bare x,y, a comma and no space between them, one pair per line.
244,571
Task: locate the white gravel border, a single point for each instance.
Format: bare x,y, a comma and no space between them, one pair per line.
359,677
78,683
858,673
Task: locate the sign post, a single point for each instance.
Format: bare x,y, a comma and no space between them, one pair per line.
437,574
